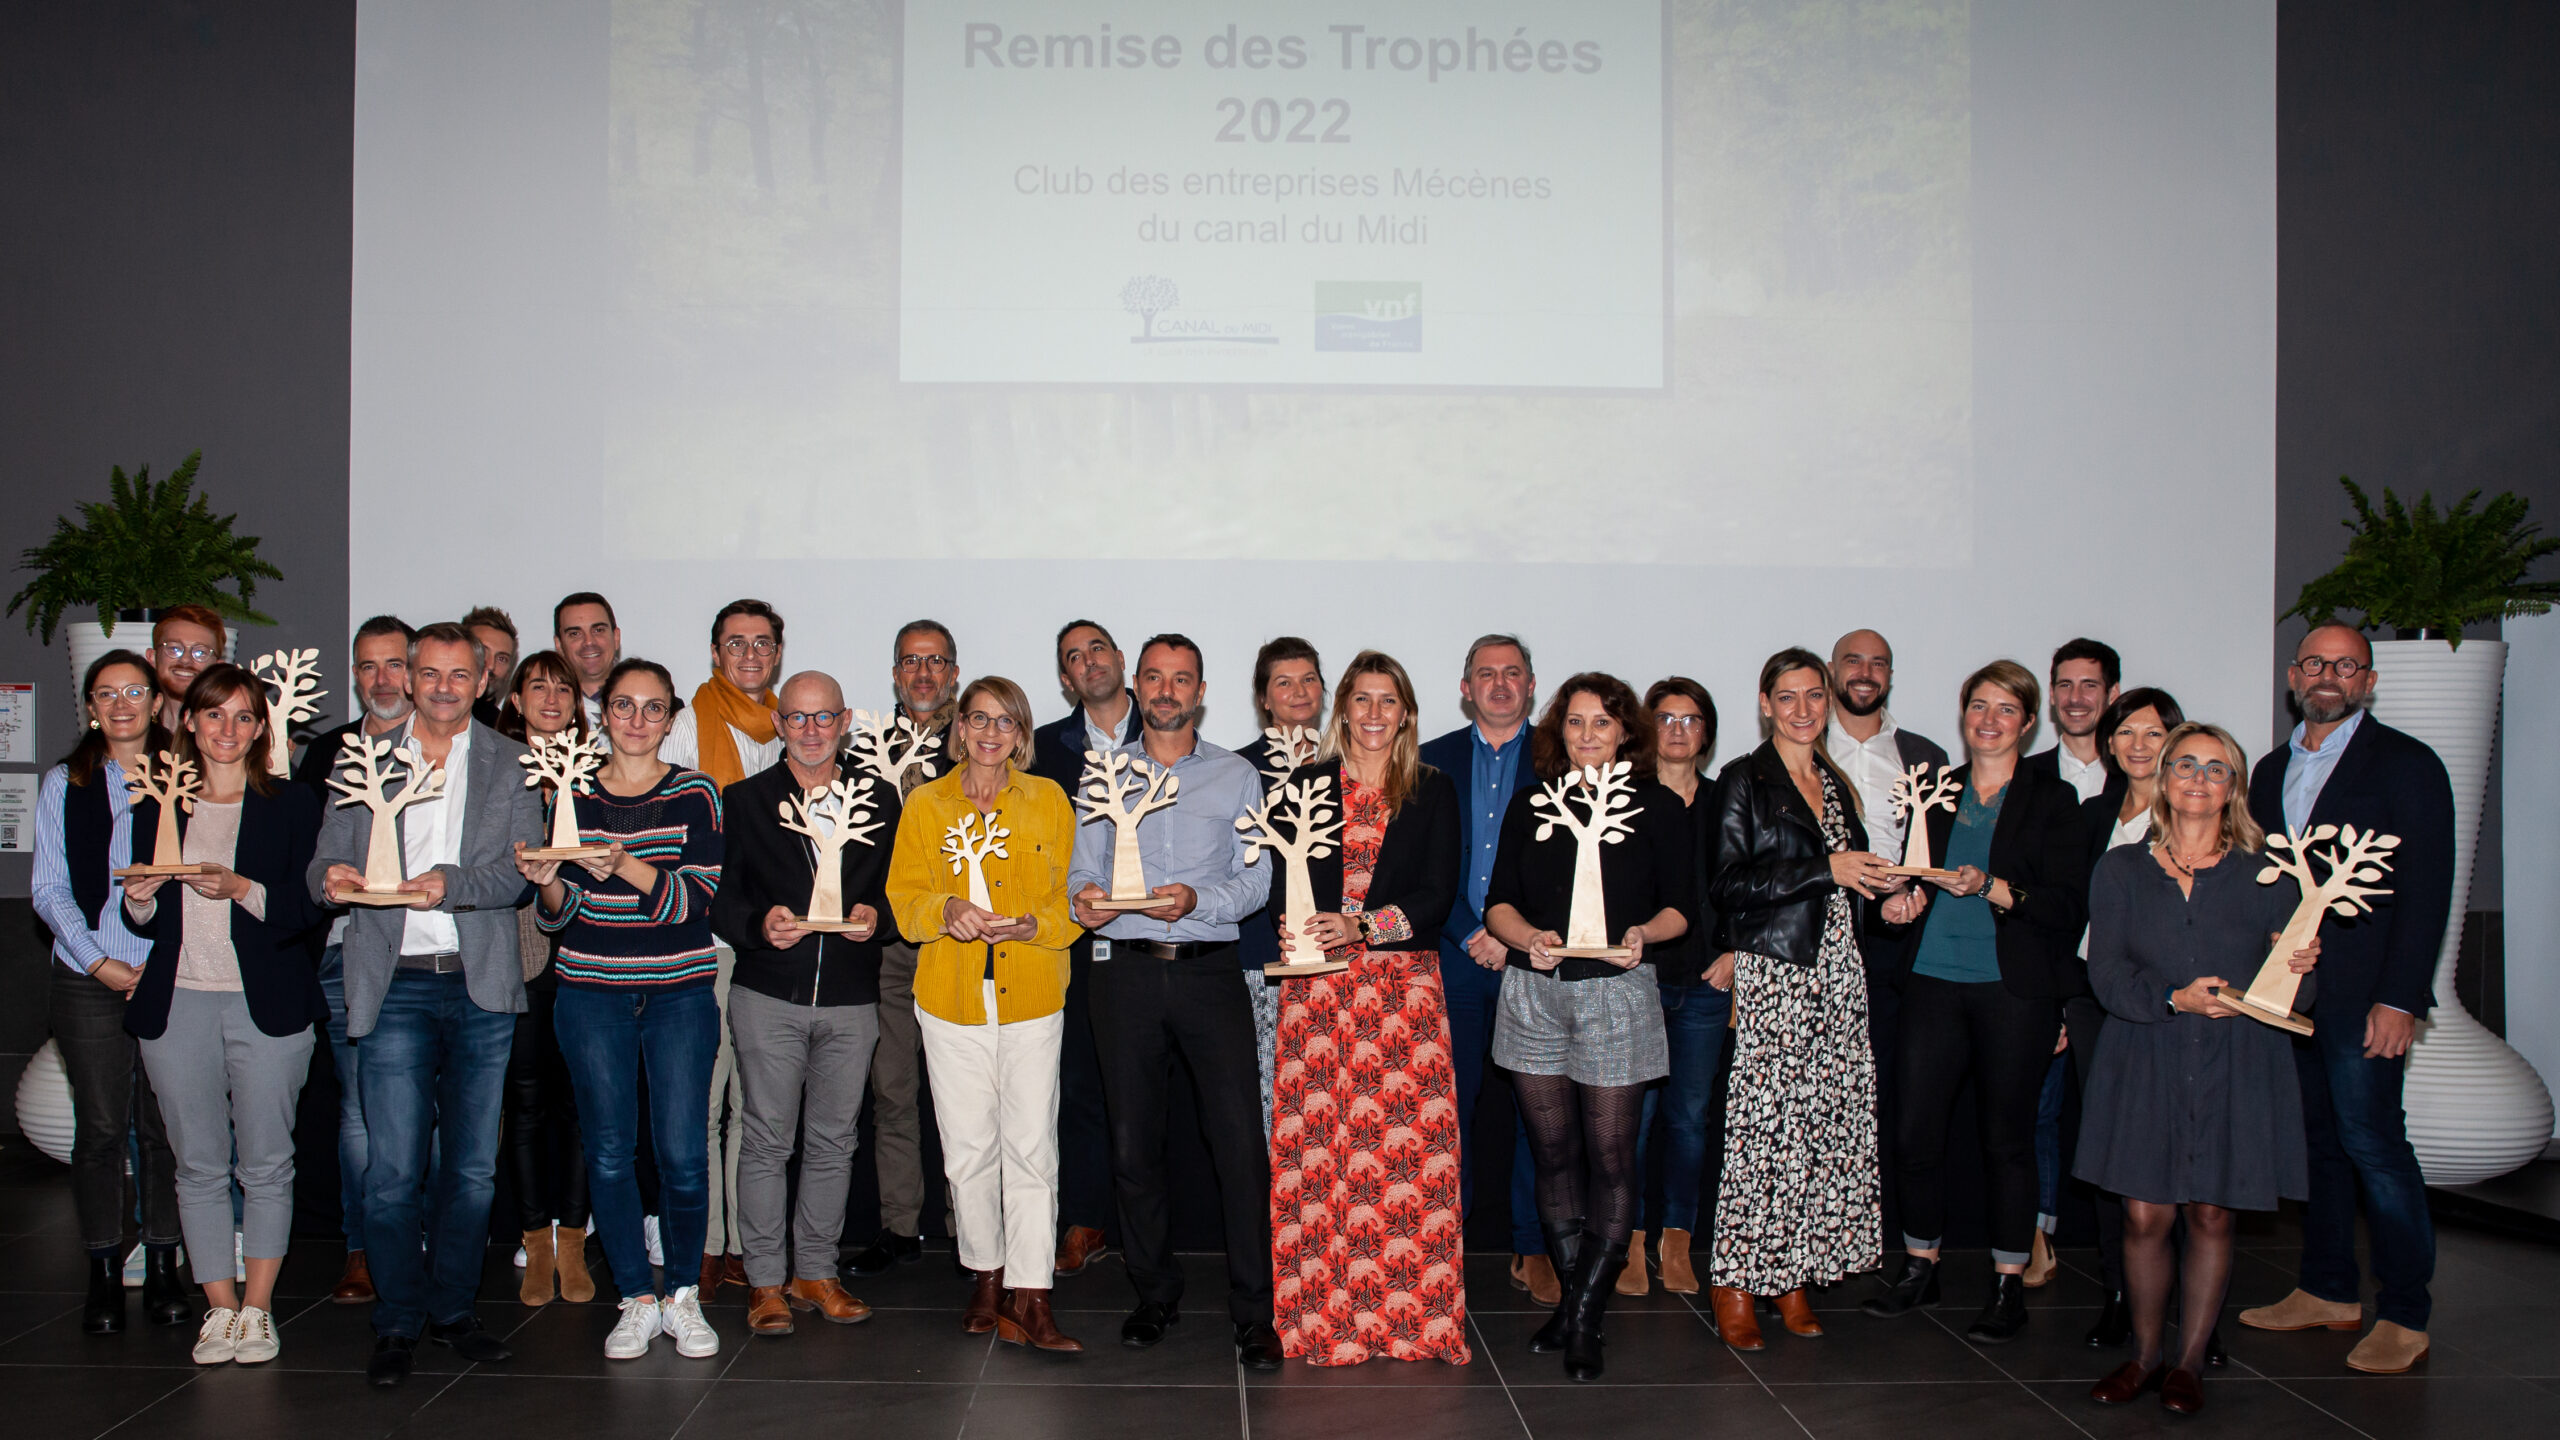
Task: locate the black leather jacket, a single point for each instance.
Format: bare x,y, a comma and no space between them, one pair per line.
1773,873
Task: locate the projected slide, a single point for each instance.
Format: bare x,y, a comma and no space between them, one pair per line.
1418,193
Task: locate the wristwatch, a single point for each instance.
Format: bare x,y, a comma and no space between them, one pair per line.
2169,998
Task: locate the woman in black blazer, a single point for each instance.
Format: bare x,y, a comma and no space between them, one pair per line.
227,1000
1990,967
1364,1095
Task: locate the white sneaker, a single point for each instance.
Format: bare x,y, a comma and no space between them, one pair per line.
133,1268
253,1337
682,1317
649,1234
633,1332
218,1338
519,1257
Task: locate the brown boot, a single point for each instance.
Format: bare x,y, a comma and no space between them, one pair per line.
768,1313
355,1287
1736,1323
829,1299
1677,1276
1633,1280
1024,1319
1797,1312
733,1270
535,1289
2040,1262
569,1259
1537,1275
710,1285
1079,1247
980,1317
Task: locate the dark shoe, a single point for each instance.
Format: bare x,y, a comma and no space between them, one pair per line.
164,1287
1079,1247
733,1270
1258,1346
1797,1312
471,1342
104,1312
984,1300
829,1298
709,1284
2127,1381
890,1249
1564,1249
2115,1323
1916,1286
1024,1319
1586,1304
768,1313
2181,1392
1736,1324
2215,1357
355,1284
391,1360
1146,1324
2004,1314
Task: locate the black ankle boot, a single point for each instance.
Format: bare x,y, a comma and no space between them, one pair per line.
104,1312
1915,1287
1565,1250
164,1289
1587,1303
2115,1323
2004,1314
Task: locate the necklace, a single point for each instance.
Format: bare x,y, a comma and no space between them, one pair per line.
2189,868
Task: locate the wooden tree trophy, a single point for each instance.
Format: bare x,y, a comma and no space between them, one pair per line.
367,767
891,745
292,678
970,840
1915,794
569,768
1611,806
1292,748
2346,890
1306,809
1124,788
175,784
832,816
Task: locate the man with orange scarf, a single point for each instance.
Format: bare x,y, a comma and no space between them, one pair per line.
728,734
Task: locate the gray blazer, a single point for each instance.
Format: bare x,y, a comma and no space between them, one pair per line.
481,893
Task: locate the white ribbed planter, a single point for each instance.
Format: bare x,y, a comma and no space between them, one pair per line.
2476,1109
44,1102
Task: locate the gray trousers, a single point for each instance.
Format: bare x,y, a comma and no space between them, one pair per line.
228,1088
790,1056
897,1080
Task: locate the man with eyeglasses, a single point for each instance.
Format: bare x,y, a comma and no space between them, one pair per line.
2343,767
803,1010
734,709
587,636
184,640
924,672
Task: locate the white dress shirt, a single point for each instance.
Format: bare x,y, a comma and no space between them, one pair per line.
1872,765
683,746
2088,777
432,836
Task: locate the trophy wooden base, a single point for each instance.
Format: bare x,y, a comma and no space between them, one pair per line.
854,928
2290,1020
569,852
1591,952
1307,970
387,899
1920,872
157,872
1143,902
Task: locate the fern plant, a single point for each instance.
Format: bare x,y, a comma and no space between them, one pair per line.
2411,568
145,547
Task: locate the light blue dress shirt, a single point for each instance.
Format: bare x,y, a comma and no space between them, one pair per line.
74,943
1492,780
2306,771
1193,842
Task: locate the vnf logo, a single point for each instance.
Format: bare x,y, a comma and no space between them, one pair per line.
1375,316
1150,296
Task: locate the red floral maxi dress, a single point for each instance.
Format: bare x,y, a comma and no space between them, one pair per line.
1366,1245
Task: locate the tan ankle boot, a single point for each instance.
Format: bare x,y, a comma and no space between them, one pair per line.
536,1289
1678,1277
1632,1280
570,1257
2040,1262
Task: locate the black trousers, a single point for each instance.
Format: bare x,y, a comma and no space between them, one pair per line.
110,1097
544,1157
2005,1043
1146,1013
2085,1018
1084,1120
1884,958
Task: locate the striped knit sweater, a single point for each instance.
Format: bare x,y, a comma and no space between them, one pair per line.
612,934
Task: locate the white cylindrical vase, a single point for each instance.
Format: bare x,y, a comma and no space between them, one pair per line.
2476,1109
44,1101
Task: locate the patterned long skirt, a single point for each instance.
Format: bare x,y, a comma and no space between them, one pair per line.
1366,1244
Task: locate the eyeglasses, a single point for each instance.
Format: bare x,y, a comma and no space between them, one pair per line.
2345,668
624,707
980,720
105,694
934,663
1670,721
198,653
744,645
2188,767
803,719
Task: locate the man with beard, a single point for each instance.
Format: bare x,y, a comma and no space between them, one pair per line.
432,993
184,640
1166,987
924,671
382,684
1091,673
2344,767
2083,682
496,631
585,633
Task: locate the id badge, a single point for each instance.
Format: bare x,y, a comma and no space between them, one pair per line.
1101,948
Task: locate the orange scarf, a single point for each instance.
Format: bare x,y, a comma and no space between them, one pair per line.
718,708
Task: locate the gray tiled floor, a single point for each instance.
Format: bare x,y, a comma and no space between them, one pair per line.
2495,1370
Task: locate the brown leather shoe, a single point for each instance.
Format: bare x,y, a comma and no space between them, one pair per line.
733,1270
768,1312
569,1257
1736,1324
710,1284
2125,1382
535,1288
1537,1275
2181,1392
355,1286
1079,1247
1679,1277
1797,1312
1024,1319
984,1299
829,1299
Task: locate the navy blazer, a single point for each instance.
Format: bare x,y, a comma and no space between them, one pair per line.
1454,755
2392,782
1057,754
278,833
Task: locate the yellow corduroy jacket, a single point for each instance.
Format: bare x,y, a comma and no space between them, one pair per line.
1029,878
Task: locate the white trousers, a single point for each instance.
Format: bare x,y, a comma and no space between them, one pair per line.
995,1101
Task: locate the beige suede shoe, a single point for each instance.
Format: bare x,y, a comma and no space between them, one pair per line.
2388,1350
1537,1275
2302,1310
1633,1280
2040,1262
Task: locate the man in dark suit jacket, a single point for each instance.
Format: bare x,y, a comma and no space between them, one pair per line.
1091,669
2344,767
2081,683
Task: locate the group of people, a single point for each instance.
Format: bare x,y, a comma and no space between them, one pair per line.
650,1030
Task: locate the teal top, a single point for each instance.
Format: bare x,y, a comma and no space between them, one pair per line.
1960,943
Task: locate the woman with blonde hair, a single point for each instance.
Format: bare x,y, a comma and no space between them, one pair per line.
1364,1094
991,994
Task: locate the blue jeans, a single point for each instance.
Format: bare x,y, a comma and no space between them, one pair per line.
2049,1141
435,1083
351,1136
2359,1139
1475,998
610,1037
1694,1022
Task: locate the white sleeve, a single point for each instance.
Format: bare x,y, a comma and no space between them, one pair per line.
679,748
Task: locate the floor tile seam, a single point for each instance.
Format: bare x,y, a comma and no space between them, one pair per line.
154,1400
2303,1399
2033,1393
53,1318
1484,1347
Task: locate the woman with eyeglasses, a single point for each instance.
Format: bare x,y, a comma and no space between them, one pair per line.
2193,1109
991,994
635,965
543,1154
84,833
